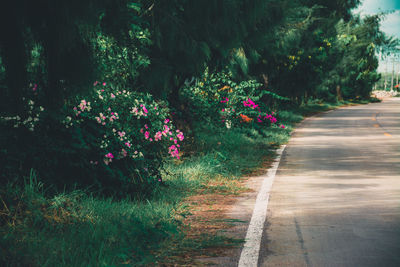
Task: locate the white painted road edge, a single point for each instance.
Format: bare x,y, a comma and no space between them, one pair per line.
251,249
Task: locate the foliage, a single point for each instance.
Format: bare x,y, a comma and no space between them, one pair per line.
76,229
125,132
225,63
217,99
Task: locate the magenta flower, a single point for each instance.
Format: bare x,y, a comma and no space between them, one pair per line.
158,136
173,151
146,135
250,103
109,155
145,109
224,100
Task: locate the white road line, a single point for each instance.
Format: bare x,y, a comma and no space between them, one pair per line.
251,249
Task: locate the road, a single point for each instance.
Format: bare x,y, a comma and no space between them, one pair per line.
336,196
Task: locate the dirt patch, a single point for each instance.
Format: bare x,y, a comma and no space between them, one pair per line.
218,221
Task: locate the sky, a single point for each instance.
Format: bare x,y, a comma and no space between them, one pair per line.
391,24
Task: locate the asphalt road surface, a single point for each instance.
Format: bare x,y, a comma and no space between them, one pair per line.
336,196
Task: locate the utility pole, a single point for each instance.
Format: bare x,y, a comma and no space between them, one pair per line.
386,66
392,83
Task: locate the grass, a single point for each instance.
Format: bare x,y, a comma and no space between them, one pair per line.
80,229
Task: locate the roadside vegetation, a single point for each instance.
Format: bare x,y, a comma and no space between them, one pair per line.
113,113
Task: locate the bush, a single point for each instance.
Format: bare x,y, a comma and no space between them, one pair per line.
217,99
126,133
113,140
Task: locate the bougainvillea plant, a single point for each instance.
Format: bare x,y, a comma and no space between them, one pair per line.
131,127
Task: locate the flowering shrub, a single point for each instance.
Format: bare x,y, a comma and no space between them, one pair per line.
212,92
247,111
30,119
131,133
234,102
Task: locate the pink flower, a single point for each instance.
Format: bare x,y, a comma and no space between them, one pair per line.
250,103
282,126
224,100
104,84
180,136
95,83
146,135
166,121
128,144
173,151
145,109
145,126
109,155
158,136
112,95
